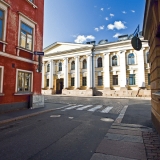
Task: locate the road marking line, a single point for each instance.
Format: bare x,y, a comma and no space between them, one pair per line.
95,108
121,115
84,107
72,107
106,110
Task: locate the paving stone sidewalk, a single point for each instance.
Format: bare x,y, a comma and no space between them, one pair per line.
129,142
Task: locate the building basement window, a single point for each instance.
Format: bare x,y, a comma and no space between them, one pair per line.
84,81
100,81
132,79
24,81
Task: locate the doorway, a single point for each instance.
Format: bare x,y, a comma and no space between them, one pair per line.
59,86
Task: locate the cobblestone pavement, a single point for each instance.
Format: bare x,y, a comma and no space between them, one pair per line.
152,145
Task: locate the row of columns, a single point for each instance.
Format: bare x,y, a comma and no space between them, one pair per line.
106,71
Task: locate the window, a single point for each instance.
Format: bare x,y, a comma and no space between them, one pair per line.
115,79
26,36
131,58
132,79
100,81
48,67
47,82
114,61
1,79
72,81
60,66
84,81
147,57
24,81
84,64
1,24
99,62
31,1
149,80
73,65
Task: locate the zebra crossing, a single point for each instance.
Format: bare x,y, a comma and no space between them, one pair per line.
94,108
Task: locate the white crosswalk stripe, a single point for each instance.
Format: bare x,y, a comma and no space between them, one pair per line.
95,108
82,108
72,107
106,110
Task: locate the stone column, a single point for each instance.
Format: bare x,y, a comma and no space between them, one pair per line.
43,72
51,75
65,70
123,70
77,73
89,71
106,71
141,73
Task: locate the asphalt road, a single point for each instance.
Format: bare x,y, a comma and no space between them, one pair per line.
69,133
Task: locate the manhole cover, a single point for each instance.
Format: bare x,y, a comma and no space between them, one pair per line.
55,116
107,119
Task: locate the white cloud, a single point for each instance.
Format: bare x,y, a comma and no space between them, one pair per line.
117,25
102,9
124,12
106,19
82,38
116,35
96,29
109,8
112,15
132,11
101,27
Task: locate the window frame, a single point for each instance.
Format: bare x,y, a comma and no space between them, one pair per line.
26,37
116,60
4,7
1,78
1,39
85,64
131,59
30,23
60,67
133,79
100,84
31,81
115,80
73,68
72,81
84,81
99,65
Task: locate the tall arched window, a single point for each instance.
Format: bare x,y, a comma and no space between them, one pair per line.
99,62
84,64
131,58
60,66
147,57
114,60
73,65
48,67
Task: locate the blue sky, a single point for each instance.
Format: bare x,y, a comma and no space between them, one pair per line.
79,21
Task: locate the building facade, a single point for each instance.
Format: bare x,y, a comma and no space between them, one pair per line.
151,31
107,69
21,33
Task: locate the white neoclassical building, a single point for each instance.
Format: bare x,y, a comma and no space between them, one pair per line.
108,69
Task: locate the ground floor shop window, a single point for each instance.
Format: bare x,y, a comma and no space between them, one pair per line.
24,81
132,79
72,81
100,81
115,79
149,80
47,82
84,81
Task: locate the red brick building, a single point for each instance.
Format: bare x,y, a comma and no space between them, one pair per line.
21,33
